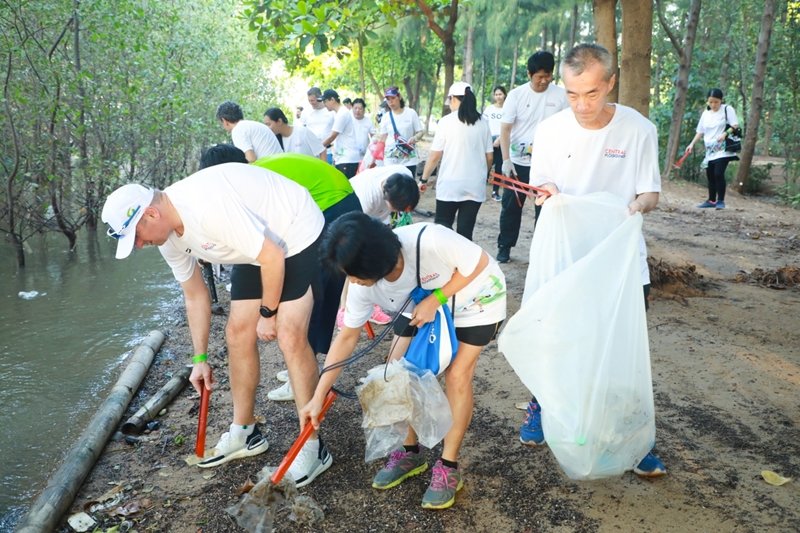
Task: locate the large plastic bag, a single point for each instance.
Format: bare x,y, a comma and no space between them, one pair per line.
579,341
395,397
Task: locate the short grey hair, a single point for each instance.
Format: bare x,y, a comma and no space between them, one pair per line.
586,54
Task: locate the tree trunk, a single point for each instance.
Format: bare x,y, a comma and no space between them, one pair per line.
681,82
447,36
90,190
361,66
637,43
757,98
10,207
496,69
514,66
469,50
605,22
573,30
434,85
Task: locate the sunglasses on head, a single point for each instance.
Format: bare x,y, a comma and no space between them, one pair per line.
119,234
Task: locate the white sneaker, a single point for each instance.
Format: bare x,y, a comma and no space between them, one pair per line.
312,460
283,376
284,393
227,449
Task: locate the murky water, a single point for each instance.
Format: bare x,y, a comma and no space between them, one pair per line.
62,350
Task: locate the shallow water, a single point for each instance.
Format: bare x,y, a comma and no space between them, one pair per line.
64,347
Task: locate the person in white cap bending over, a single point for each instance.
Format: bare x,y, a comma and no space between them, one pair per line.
244,215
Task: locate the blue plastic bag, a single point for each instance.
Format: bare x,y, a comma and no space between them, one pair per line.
433,347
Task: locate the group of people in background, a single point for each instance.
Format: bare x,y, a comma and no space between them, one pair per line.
285,196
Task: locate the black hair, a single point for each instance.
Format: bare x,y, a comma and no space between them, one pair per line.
229,111
275,114
715,93
500,88
401,191
468,110
541,60
360,246
221,153
347,101
360,101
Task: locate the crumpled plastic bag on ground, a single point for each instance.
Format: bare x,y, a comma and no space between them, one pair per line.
579,341
404,397
257,511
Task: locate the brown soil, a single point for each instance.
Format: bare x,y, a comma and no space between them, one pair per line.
726,371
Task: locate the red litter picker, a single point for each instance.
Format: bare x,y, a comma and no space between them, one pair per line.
200,445
515,185
277,476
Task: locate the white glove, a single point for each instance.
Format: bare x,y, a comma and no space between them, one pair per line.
508,168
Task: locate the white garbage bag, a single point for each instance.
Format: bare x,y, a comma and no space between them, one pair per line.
579,341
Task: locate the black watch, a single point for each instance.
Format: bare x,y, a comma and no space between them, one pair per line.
266,312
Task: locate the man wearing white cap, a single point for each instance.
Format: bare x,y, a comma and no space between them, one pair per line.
244,215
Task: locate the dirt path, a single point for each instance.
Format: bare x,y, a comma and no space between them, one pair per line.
726,371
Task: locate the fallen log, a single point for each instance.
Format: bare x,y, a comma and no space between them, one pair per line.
60,492
135,424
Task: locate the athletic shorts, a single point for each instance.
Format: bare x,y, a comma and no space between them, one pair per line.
474,335
301,271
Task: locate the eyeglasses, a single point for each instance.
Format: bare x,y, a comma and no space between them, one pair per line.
119,234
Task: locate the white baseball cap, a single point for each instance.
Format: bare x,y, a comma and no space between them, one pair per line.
459,88
122,211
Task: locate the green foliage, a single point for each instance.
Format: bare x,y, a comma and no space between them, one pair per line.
143,98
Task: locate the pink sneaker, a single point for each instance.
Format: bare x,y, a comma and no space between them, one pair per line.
340,318
379,317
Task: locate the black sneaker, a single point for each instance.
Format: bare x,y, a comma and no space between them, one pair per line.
503,254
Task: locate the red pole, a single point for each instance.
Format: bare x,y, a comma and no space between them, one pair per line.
200,446
277,476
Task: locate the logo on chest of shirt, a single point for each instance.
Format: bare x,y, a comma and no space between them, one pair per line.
614,153
208,246
429,277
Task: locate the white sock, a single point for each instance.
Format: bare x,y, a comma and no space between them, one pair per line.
240,432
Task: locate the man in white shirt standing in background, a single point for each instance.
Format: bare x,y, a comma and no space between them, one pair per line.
524,108
316,117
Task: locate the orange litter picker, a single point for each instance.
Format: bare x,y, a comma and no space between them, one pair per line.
515,185
308,429
200,445
679,163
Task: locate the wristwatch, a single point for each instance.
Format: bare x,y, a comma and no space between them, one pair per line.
266,312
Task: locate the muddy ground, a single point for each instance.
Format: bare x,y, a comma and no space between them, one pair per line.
726,372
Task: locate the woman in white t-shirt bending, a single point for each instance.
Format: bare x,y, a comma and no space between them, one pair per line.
463,144
381,265
296,139
712,129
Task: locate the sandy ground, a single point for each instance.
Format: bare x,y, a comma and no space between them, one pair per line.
726,376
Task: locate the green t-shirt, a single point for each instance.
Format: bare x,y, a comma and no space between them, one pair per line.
325,183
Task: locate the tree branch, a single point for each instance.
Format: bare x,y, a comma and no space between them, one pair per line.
664,24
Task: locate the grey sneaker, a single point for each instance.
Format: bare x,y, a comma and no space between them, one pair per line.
400,466
445,482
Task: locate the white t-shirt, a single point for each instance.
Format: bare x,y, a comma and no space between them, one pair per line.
711,125
368,186
621,158
408,125
524,109
256,136
319,121
493,115
303,141
364,129
463,169
228,210
481,303
345,149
